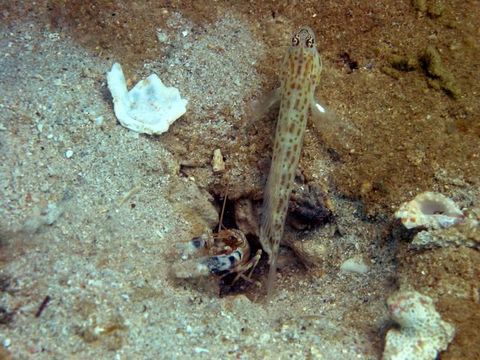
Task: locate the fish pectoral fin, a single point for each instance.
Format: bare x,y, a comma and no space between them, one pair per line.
321,117
330,126
262,106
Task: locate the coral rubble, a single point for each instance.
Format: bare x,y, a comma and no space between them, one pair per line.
422,334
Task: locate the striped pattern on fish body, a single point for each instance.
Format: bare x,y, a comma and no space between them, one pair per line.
299,78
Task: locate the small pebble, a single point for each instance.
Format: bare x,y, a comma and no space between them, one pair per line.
354,265
99,120
218,164
161,36
68,154
52,213
133,135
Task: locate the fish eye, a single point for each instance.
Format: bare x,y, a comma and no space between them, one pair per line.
309,42
295,40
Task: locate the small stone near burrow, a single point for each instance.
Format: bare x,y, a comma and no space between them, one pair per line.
309,207
311,253
218,164
246,217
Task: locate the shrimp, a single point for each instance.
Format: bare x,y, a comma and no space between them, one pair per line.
224,252
299,77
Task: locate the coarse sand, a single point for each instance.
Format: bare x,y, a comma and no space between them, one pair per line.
91,212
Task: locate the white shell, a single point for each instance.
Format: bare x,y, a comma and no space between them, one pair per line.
430,210
150,107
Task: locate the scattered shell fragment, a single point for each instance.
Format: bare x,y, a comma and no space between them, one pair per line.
150,107
162,37
422,334
356,265
431,210
46,216
218,164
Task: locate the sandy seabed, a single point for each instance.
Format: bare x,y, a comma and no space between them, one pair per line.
91,212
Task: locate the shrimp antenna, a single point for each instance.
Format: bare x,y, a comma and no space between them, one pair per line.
220,222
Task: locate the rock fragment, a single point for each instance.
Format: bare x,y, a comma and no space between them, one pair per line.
309,207
246,217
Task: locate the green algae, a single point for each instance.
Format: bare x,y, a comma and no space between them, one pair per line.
434,8
403,62
439,76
